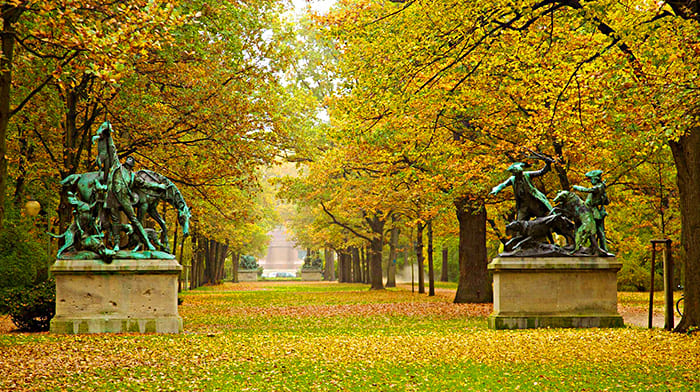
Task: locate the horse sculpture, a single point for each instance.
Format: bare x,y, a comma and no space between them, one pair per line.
144,200
148,200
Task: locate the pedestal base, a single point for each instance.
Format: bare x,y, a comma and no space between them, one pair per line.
126,295
247,275
554,292
311,275
546,321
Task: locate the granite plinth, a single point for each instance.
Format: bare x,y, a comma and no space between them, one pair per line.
247,275
127,295
554,292
311,275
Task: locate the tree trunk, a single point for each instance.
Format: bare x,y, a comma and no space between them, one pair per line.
193,260
206,252
391,263
363,261
221,257
198,246
445,257
431,269
348,265
686,154
419,258
26,152
329,267
10,17
213,261
376,223
356,268
409,265
345,265
474,285
341,266
367,264
236,257
70,161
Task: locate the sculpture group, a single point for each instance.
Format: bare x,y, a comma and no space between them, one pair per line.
100,198
581,223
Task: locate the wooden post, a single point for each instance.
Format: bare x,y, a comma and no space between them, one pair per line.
668,287
668,283
651,288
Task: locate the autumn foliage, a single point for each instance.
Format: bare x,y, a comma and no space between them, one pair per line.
306,336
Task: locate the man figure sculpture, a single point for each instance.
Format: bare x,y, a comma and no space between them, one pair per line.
529,202
596,201
120,180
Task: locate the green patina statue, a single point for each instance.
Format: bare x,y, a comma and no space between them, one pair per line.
596,201
248,262
580,223
529,201
312,262
572,205
99,198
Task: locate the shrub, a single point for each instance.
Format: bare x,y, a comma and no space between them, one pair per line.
633,277
32,307
23,259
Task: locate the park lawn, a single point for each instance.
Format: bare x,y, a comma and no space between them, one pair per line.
278,336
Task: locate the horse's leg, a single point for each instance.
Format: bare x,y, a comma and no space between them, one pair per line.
153,212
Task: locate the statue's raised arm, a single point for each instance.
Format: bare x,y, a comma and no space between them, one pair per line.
529,201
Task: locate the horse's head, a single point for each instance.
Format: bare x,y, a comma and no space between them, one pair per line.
106,126
183,217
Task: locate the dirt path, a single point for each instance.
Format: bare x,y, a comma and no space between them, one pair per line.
637,317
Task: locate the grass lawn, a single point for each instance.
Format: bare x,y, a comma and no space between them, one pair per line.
295,336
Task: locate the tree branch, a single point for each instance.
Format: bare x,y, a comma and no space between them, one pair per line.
343,225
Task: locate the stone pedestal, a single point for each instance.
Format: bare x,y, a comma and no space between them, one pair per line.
311,275
556,292
126,295
247,275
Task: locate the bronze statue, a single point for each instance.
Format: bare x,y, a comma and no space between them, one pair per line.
571,205
581,224
312,262
145,199
100,197
248,262
597,200
83,233
529,201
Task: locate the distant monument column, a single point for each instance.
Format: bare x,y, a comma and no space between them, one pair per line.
282,254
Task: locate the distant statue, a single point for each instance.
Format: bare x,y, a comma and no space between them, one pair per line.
312,262
596,201
99,198
248,262
529,201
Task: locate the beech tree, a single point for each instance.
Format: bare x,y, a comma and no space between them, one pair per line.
577,76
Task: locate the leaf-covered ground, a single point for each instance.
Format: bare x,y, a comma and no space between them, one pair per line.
294,336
